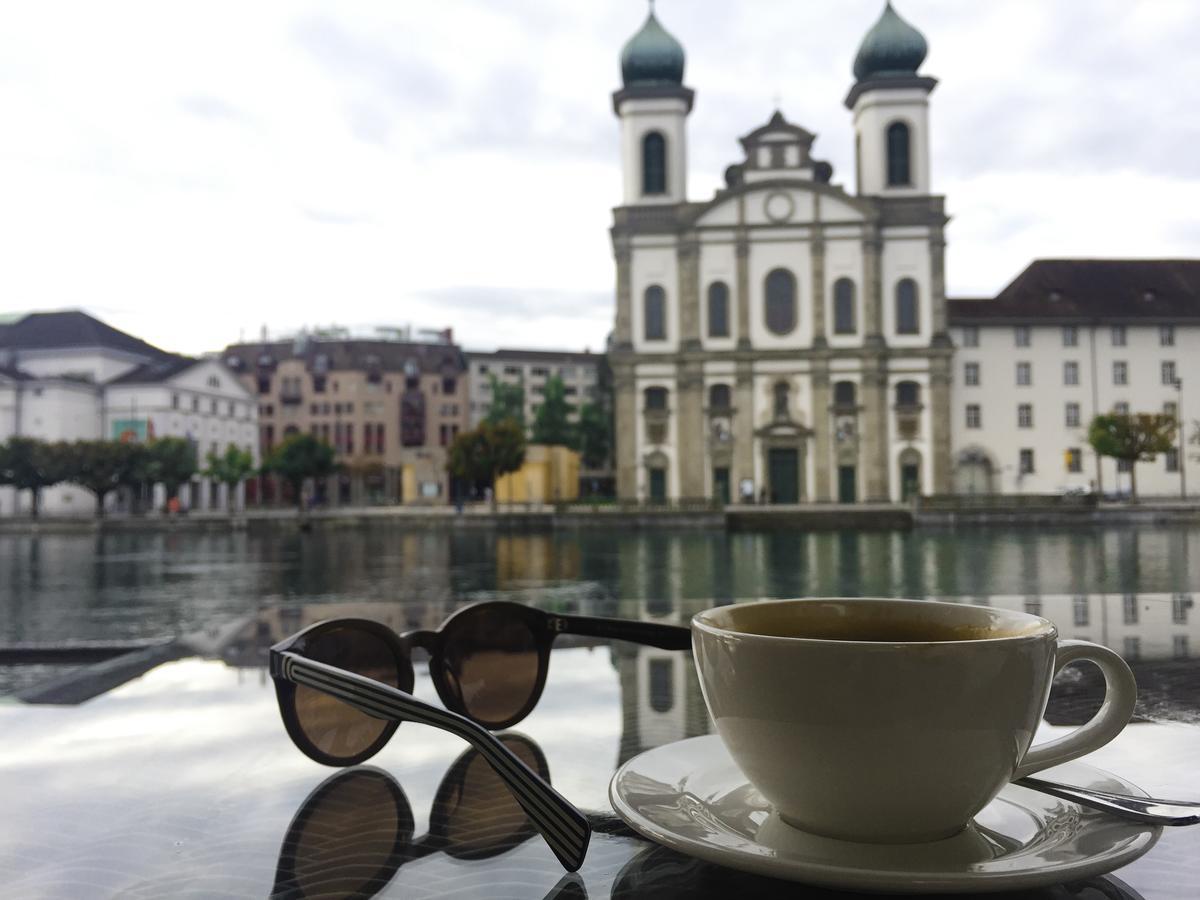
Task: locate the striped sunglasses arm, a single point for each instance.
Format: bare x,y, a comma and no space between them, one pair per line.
563,826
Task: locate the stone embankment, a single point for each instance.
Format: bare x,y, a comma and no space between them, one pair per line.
930,512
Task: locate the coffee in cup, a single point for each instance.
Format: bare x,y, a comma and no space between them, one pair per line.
891,721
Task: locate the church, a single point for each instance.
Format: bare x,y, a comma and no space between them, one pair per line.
785,341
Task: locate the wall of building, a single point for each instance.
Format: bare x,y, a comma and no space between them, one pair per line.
354,403
97,364
580,374
56,410
1001,438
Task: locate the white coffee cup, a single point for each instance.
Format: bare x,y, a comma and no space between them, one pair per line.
891,721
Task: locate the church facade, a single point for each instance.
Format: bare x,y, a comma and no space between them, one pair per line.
786,340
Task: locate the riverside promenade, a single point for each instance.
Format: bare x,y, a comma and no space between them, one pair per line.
928,512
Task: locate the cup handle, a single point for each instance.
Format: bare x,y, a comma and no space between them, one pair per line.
1120,694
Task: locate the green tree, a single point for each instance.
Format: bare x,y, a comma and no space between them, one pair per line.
29,464
102,466
298,458
171,462
1134,438
485,453
231,468
552,421
595,435
508,403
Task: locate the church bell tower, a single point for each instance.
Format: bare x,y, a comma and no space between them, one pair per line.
653,106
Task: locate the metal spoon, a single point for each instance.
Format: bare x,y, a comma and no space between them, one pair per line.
1139,809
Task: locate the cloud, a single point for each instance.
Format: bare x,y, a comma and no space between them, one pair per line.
473,149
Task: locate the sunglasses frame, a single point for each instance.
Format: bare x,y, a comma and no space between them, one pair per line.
563,826
545,628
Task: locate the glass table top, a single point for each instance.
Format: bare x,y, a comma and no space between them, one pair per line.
181,782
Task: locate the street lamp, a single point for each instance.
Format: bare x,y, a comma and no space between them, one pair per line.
1179,420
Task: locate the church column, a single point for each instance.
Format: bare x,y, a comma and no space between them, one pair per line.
818,281
743,291
626,414
821,427
688,256
873,289
743,428
939,415
875,430
937,262
690,438
624,326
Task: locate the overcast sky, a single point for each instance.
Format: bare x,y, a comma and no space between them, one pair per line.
193,172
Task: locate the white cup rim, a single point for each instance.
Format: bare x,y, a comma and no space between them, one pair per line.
1022,626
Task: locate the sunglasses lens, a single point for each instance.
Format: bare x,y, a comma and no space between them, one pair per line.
347,840
336,728
478,815
491,661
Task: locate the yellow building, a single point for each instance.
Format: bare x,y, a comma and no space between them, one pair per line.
548,475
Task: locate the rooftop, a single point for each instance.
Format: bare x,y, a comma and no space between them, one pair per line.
1160,290
71,329
346,355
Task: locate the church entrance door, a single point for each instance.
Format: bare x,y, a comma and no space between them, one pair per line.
783,474
847,484
721,484
658,485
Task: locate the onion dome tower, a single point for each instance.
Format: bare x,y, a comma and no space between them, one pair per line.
890,101
653,106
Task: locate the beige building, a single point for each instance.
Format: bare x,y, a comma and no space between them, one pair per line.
390,408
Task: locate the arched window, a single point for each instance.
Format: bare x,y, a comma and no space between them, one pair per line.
908,393
655,313
718,309
662,685
907,307
844,394
656,398
781,301
899,162
720,397
783,398
843,306
654,164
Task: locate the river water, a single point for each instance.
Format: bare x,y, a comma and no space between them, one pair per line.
147,585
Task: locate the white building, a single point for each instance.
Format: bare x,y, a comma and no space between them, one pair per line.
785,339
66,376
1067,340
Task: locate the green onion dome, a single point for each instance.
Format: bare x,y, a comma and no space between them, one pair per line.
652,57
893,48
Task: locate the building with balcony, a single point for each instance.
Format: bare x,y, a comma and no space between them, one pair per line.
389,406
66,376
786,339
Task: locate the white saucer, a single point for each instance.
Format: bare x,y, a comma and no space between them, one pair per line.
691,797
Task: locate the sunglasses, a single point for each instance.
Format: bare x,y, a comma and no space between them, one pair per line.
356,829
345,685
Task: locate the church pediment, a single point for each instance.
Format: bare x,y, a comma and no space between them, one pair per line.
782,201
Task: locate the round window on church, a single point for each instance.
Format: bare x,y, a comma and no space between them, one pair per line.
779,207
